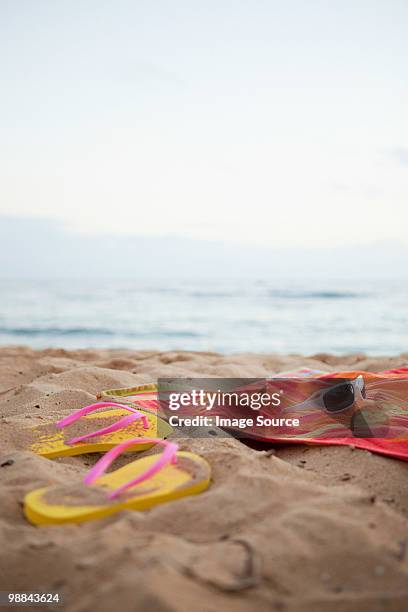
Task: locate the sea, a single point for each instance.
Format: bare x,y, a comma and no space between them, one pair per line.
227,316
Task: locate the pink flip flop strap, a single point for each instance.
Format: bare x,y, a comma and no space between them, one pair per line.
100,467
123,422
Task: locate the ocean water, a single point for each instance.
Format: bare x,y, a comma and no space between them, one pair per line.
226,316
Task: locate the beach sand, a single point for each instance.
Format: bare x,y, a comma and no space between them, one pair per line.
301,528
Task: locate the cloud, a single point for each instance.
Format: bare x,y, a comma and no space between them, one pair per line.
400,154
43,248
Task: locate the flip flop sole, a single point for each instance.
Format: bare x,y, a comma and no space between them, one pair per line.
52,444
191,475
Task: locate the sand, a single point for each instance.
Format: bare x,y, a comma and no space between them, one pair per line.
293,528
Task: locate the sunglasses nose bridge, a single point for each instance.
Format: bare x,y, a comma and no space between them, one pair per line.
359,386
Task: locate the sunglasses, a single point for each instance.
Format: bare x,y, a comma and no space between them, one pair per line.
338,398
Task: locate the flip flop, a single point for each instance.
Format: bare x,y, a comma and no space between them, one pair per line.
118,426
143,396
139,485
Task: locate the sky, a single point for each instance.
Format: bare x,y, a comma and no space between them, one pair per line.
33,248
261,122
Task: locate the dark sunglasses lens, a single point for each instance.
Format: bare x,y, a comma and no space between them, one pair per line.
339,398
363,392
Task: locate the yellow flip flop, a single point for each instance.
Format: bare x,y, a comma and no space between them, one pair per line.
143,396
114,427
139,485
